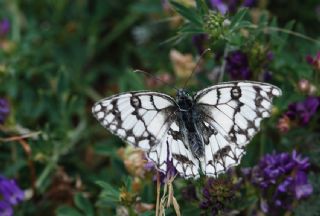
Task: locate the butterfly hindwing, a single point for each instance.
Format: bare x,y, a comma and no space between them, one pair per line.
139,118
173,149
232,113
220,154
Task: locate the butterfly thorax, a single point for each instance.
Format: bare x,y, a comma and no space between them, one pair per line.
184,100
188,118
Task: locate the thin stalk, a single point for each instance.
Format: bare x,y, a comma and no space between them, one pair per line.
223,66
297,34
158,194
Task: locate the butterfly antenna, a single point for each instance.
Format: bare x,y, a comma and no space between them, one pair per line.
154,77
197,65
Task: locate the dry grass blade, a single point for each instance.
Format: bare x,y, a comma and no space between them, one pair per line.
176,206
17,138
170,195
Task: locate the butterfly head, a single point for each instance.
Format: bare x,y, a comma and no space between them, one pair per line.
184,99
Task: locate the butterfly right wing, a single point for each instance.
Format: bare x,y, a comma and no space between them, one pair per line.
231,113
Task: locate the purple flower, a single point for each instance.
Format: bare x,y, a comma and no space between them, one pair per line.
238,65
267,76
225,6
164,177
220,6
282,178
4,27
5,208
10,195
217,193
10,191
303,188
303,111
4,110
171,172
249,3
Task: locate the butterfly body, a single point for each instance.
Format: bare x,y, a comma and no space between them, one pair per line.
188,117
207,131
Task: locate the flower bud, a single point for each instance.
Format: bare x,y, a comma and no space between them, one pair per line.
304,85
215,24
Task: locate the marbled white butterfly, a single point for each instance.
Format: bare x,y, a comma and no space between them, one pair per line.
205,132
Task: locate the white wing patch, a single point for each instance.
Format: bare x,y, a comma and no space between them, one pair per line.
173,149
139,118
232,113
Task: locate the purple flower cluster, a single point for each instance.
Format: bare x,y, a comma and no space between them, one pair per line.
10,195
4,110
225,6
237,65
282,179
217,194
4,27
303,111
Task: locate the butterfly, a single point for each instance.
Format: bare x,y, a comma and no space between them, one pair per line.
204,133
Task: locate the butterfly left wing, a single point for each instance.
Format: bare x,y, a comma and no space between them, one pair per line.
139,118
230,115
148,120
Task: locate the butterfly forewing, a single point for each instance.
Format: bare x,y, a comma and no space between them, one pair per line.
231,114
140,118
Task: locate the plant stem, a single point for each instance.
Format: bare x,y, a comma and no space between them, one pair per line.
297,34
158,194
223,67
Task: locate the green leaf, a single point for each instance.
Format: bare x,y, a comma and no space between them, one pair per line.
106,148
242,24
202,7
67,211
289,26
238,17
83,204
191,29
263,19
108,192
187,13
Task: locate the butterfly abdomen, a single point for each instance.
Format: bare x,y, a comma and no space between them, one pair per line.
196,145
191,133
